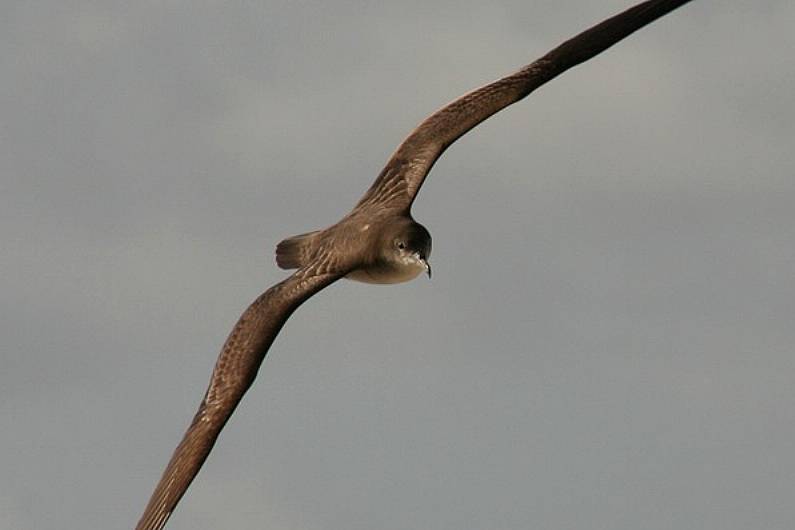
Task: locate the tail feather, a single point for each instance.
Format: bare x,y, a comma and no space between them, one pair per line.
294,252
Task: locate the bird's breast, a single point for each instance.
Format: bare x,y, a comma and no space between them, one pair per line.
387,273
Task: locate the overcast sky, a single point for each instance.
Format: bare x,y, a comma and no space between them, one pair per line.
607,340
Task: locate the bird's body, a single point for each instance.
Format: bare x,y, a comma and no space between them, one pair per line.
367,248
377,242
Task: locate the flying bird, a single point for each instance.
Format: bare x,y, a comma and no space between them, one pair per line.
377,242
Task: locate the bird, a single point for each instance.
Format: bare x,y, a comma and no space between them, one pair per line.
378,242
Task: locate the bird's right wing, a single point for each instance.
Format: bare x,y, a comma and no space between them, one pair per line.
400,180
234,372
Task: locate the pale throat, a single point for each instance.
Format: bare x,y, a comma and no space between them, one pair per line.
404,269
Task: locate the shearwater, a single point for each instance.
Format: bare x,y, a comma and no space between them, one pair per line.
377,242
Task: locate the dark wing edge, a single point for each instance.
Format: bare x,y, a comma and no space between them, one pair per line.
235,370
404,173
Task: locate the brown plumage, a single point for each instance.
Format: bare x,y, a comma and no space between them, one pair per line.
377,242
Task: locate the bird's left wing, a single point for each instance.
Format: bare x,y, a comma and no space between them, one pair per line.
400,180
235,370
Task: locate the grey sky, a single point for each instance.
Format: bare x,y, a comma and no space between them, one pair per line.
607,338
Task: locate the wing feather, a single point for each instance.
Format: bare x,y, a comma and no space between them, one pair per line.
235,370
404,173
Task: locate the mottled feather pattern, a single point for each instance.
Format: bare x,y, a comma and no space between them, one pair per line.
430,139
235,370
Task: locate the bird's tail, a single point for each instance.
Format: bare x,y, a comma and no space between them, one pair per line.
294,252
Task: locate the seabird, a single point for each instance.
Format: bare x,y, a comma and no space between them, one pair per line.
377,242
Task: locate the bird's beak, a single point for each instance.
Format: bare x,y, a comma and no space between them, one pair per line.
427,266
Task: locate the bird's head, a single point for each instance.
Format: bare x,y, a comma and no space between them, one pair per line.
407,244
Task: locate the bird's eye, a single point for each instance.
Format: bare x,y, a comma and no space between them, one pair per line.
401,245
